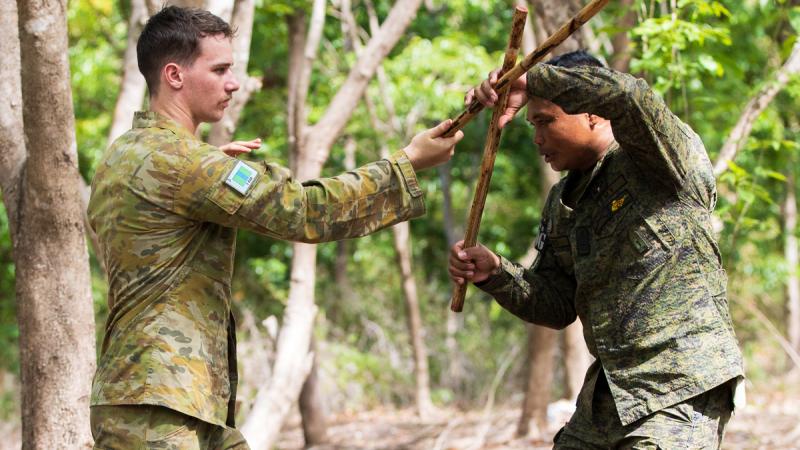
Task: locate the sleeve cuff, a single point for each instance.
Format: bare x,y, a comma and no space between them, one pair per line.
507,271
409,176
533,78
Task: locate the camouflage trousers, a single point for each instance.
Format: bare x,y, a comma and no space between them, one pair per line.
145,427
697,423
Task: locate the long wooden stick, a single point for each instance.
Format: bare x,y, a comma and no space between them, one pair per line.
537,55
490,151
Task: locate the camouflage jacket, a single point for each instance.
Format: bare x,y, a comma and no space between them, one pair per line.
166,207
635,259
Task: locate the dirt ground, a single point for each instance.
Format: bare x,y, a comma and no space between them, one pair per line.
767,423
770,421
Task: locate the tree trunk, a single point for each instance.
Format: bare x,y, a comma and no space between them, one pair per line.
542,341
242,21
344,102
792,261
12,133
55,310
133,86
621,43
576,359
402,246
401,232
312,409
541,352
455,373
312,148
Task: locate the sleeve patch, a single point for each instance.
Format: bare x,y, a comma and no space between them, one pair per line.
241,178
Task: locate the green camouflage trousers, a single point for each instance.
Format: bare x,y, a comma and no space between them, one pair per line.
695,424
145,427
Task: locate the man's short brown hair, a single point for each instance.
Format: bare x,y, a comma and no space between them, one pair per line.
173,35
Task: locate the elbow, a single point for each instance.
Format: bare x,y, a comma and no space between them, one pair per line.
558,322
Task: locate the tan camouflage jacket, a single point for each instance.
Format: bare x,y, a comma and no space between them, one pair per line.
166,207
635,259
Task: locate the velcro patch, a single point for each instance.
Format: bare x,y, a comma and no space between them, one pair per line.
618,203
241,177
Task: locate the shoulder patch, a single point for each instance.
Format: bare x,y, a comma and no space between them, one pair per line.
241,177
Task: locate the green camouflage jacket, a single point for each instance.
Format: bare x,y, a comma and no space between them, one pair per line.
166,207
635,259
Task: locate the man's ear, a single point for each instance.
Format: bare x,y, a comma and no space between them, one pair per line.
173,75
594,120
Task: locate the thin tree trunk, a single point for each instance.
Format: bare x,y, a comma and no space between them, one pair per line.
344,102
402,236
541,365
621,43
402,246
242,20
296,23
576,359
55,311
12,133
541,340
293,361
343,286
738,135
792,261
221,8
133,86
455,359
312,409
313,147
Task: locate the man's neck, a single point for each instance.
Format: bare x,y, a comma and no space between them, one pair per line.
175,111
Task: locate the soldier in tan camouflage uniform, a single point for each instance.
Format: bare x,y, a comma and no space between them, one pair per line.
625,244
166,207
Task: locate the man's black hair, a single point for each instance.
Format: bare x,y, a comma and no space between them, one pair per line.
578,58
173,35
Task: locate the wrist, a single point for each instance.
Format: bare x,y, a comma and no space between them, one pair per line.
498,267
411,154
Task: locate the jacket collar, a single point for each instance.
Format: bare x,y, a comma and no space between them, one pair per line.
152,119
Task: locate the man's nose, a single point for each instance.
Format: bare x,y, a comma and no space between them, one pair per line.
537,138
232,84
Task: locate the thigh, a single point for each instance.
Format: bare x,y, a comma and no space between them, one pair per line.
586,430
145,427
697,423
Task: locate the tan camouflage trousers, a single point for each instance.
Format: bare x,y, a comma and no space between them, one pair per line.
146,427
697,423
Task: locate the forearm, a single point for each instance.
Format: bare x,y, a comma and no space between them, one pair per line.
530,295
357,203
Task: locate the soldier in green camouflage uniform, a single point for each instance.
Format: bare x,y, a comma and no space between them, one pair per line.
166,207
625,244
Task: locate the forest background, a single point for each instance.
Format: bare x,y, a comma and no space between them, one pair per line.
330,85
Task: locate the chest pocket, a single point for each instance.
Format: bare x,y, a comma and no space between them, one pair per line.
560,246
615,204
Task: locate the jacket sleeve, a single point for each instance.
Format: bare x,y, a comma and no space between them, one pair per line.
209,186
542,294
642,123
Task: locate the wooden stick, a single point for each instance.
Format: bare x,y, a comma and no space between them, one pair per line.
490,151
537,55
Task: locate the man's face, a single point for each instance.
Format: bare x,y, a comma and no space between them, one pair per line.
565,141
209,82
